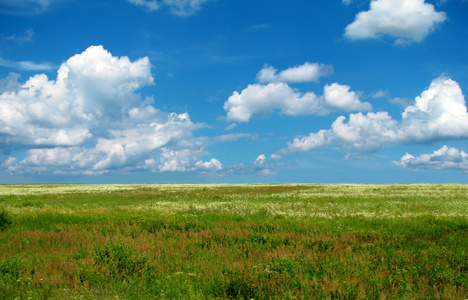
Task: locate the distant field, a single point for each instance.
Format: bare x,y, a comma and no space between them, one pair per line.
252,241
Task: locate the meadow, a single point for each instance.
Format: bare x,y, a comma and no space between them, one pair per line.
219,241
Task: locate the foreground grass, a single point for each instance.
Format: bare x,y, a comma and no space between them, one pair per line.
234,242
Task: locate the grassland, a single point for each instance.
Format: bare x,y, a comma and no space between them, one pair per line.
234,241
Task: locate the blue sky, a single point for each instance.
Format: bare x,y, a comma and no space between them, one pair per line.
346,91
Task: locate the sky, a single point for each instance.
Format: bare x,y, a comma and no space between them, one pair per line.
207,91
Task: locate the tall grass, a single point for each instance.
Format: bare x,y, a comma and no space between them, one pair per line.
234,242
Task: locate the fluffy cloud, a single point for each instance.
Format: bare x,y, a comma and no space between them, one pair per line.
303,73
439,113
92,88
259,100
212,165
405,20
91,120
444,158
177,7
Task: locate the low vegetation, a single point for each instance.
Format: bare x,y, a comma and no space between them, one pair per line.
234,241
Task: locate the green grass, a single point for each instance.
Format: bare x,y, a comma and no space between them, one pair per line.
234,241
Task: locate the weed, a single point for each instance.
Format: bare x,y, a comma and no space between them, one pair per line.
11,267
5,220
120,258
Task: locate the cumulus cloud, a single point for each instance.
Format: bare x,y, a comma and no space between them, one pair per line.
439,113
91,120
303,73
444,158
404,20
260,100
177,7
212,165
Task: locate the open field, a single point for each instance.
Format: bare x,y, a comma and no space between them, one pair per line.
310,241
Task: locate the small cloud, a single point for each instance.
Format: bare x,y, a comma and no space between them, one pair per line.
442,159
181,8
148,4
232,126
303,73
28,37
403,102
381,94
26,65
212,165
405,20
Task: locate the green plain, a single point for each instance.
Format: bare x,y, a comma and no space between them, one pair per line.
221,241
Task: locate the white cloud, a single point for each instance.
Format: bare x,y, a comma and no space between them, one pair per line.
338,97
91,120
444,158
439,113
405,20
303,73
26,65
92,89
177,7
306,143
260,161
262,100
212,165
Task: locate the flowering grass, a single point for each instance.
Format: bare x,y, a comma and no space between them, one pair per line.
253,241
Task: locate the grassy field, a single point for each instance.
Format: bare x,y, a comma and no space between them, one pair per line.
234,241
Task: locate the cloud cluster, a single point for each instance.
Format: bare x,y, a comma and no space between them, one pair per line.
439,113
177,7
444,158
91,120
259,100
261,166
405,20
